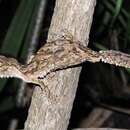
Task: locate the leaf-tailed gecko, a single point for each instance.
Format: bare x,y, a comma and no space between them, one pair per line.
59,54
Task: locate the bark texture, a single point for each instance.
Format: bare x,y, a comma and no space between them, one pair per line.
54,113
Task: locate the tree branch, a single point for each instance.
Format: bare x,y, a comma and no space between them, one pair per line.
75,16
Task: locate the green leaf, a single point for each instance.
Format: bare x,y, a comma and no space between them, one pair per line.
29,33
117,10
128,29
18,27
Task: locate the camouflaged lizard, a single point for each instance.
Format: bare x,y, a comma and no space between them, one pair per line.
55,55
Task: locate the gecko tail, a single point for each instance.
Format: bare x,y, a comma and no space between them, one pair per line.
10,68
12,72
115,58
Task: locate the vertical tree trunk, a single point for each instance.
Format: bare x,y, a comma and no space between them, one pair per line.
54,114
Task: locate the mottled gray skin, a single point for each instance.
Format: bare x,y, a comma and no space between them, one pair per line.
55,55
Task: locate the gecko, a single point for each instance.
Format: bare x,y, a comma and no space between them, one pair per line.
57,55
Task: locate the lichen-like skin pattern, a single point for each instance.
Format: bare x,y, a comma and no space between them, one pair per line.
56,55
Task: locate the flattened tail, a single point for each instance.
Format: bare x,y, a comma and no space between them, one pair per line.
13,72
115,58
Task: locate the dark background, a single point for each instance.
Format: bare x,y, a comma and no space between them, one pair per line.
100,85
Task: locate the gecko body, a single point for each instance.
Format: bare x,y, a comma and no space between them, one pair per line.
55,55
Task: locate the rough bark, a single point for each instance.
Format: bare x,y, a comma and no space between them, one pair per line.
53,114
